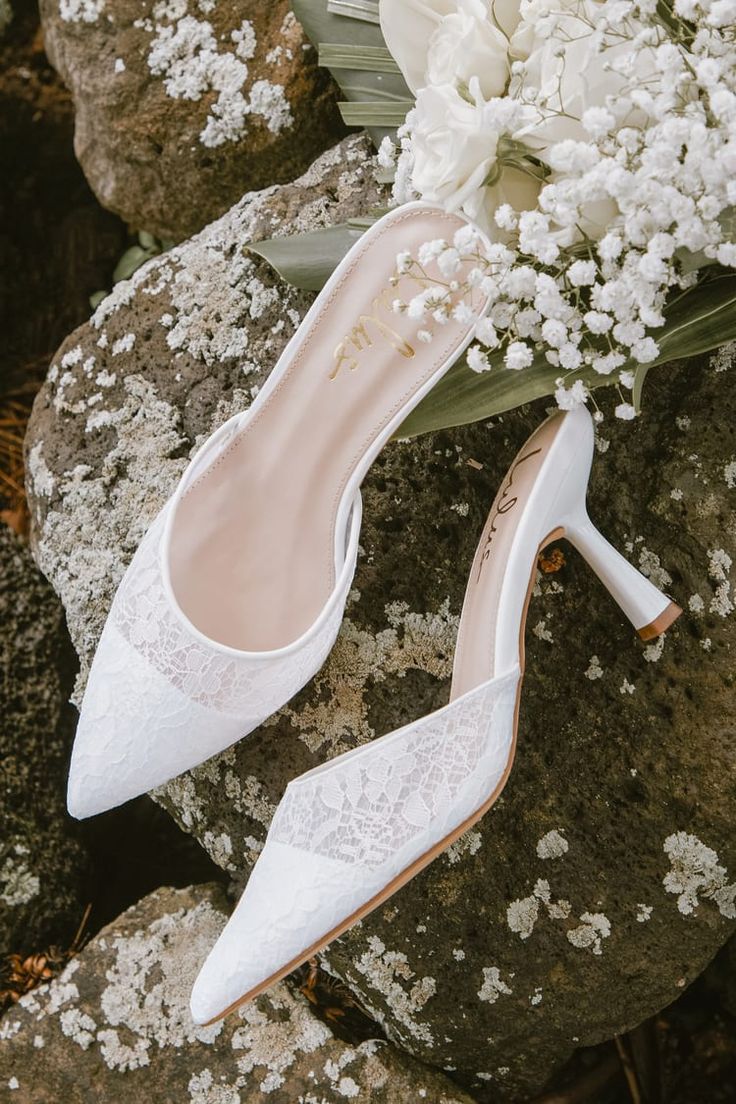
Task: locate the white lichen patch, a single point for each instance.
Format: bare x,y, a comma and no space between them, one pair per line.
719,567
651,566
9,1028
81,11
729,474
78,1026
338,709
493,986
41,478
146,999
123,344
654,651
594,670
594,927
723,358
542,632
389,973
468,844
86,559
213,298
552,845
203,1089
522,915
193,62
644,913
18,883
696,872
269,1044
220,847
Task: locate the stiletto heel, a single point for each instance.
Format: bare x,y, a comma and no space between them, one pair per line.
649,610
351,832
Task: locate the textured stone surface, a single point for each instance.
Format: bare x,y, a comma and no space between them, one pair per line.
42,864
115,1026
602,882
184,105
57,245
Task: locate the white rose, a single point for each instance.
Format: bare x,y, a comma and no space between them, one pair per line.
454,147
468,44
409,26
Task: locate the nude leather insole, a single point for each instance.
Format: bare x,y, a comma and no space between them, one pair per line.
252,548
475,653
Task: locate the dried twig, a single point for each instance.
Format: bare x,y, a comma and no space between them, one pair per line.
629,1072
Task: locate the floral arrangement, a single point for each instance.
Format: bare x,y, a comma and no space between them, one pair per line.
595,143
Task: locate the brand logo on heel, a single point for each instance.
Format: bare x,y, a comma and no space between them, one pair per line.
505,505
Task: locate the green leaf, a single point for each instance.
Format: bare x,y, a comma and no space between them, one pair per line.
373,59
698,321
327,29
96,298
375,113
308,260
130,262
365,10
147,241
639,377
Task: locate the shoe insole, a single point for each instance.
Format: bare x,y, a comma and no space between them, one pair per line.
252,548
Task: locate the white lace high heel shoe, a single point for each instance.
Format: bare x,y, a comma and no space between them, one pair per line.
350,833
235,596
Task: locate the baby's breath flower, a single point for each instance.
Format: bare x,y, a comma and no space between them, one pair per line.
403,262
568,398
478,360
486,333
518,355
581,273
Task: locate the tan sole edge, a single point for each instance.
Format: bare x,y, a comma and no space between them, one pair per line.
424,860
660,624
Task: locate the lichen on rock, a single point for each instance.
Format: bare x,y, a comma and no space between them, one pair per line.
182,106
117,1022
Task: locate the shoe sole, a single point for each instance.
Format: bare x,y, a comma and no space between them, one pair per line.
648,632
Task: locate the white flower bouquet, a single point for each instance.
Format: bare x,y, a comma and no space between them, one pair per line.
594,142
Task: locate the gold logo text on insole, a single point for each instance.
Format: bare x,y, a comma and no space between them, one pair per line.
369,330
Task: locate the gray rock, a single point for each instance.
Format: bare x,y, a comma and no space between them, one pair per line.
42,863
599,885
181,107
115,1026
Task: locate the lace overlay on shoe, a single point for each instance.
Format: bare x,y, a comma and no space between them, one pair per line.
229,684
422,780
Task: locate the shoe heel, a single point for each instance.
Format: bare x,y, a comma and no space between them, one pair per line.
649,610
